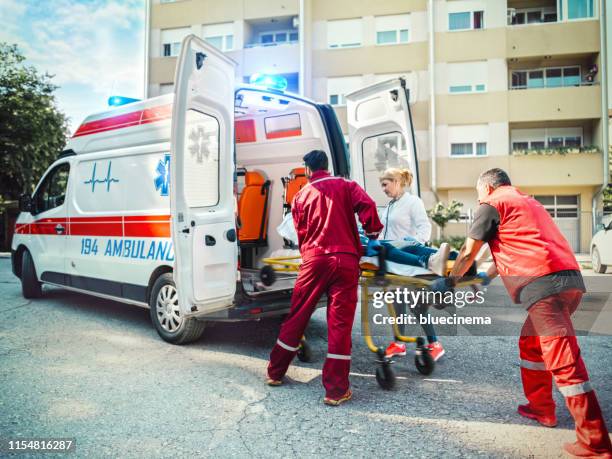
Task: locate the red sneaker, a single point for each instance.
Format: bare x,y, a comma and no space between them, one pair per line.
527,412
395,349
435,350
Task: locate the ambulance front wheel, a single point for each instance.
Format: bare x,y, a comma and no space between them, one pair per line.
30,286
166,315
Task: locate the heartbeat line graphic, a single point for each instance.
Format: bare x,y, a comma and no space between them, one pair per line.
108,180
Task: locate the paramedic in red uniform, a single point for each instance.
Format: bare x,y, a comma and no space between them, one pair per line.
324,217
540,271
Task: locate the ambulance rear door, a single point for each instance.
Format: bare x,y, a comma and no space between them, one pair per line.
381,134
201,186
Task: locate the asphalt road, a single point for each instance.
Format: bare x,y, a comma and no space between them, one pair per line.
95,370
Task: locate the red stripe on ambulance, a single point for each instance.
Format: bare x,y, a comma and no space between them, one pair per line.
137,118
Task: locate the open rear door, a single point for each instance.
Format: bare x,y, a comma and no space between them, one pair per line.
201,187
381,134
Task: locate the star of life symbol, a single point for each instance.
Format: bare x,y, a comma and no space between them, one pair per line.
162,180
200,143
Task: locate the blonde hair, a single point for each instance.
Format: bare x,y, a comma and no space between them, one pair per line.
403,176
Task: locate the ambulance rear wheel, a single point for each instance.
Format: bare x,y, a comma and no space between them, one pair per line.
30,286
166,315
385,377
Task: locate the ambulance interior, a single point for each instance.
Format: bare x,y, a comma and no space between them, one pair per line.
273,132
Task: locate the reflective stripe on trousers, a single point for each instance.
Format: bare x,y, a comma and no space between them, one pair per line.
539,366
338,356
576,389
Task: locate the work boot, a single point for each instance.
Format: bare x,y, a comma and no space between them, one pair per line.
435,350
437,261
335,402
576,450
591,431
395,349
527,412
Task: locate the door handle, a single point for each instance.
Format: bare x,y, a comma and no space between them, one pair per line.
59,229
186,231
209,240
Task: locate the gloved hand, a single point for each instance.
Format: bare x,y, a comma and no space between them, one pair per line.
442,284
372,247
486,280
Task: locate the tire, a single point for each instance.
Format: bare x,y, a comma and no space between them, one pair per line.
424,362
165,314
30,286
385,377
596,261
304,352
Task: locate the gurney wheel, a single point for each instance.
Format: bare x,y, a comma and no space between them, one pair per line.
304,352
424,362
267,275
385,376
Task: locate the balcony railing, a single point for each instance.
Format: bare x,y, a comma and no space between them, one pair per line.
578,84
264,45
549,151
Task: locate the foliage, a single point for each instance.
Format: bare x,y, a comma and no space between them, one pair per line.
454,241
555,151
441,214
32,129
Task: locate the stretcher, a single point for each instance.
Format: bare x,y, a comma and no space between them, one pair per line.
374,277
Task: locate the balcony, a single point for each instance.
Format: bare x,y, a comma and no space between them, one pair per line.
271,59
580,169
564,103
552,39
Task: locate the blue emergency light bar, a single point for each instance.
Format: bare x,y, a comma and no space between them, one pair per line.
276,82
116,101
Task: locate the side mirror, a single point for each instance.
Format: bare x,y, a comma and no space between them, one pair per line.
25,203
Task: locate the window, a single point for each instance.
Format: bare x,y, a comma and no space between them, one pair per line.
465,77
552,77
278,37
468,140
559,206
201,163
523,139
337,88
52,192
466,20
534,16
379,153
344,33
171,40
392,29
278,127
578,9
221,36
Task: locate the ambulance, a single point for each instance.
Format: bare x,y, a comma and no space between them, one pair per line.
171,203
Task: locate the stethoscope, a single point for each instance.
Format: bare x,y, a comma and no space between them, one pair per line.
393,201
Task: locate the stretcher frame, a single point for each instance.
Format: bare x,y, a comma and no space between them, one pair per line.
376,278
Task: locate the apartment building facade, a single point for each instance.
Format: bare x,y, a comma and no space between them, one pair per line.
514,84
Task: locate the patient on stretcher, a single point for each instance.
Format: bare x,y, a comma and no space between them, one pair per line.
410,252
407,257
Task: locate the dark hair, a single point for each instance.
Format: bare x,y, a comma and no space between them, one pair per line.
495,177
316,160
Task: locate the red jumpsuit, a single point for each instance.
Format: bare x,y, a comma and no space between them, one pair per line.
324,217
529,250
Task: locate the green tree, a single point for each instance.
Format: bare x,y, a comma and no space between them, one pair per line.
441,214
32,129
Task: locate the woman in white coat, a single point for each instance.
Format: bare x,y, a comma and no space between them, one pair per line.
405,218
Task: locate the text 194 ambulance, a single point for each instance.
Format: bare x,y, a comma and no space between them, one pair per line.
167,203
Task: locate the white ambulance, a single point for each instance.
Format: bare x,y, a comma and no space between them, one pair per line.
171,203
